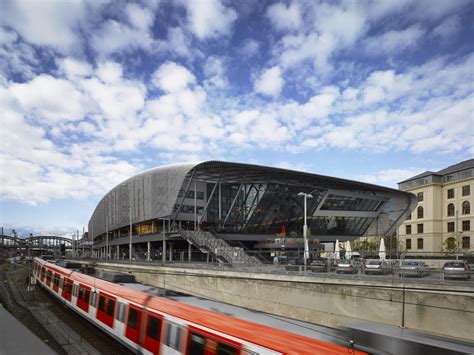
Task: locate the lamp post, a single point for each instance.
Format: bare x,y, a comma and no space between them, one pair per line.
305,228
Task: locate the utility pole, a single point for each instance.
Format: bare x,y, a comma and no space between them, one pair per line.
457,235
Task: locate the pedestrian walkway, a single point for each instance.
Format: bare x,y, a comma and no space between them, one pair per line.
17,339
71,342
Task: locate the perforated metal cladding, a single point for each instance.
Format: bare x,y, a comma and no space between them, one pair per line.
154,193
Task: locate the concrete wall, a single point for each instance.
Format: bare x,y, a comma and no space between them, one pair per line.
447,311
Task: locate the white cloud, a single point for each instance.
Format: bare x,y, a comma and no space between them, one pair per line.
215,72
270,82
447,28
394,41
250,47
48,23
171,77
39,98
210,19
73,68
285,17
390,177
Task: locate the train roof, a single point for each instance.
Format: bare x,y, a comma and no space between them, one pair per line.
261,335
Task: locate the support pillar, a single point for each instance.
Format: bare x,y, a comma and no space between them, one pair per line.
189,252
118,252
148,251
171,251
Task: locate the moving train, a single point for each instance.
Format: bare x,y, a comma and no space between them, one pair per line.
154,325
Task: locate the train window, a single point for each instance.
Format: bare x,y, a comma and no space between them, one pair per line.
132,317
197,345
173,337
225,349
120,311
153,328
61,282
74,290
102,303
80,293
56,280
94,299
110,307
87,295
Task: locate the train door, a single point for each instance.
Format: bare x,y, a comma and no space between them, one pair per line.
56,282
133,325
48,277
201,342
43,273
83,297
67,289
106,309
152,336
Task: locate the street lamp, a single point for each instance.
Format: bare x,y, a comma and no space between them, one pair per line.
305,228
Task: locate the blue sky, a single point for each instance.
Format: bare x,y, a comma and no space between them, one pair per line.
92,92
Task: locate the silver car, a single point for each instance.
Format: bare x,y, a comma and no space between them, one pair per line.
347,267
413,268
377,267
456,270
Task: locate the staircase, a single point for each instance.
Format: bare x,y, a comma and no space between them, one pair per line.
208,243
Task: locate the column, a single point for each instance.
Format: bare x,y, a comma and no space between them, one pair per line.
171,251
148,251
118,252
189,252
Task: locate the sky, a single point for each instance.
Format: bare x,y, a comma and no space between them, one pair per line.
93,92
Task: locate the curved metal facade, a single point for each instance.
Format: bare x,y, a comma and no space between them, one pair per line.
155,194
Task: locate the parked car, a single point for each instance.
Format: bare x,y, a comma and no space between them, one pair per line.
322,265
347,267
413,268
456,270
377,267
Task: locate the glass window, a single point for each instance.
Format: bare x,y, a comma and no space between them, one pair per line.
132,317
450,227
451,210
80,293
173,337
466,207
419,242
198,344
224,349
154,328
419,195
466,190
466,242
111,307
451,193
408,229
419,228
87,295
420,212
466,226
101,303
408,244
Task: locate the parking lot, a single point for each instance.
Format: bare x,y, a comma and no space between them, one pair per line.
432,276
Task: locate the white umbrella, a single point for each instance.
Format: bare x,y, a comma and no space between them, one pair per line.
382,253
348,250
337,252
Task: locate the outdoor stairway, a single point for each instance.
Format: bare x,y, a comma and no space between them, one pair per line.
208,243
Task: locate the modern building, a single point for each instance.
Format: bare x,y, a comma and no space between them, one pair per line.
225,210
444,207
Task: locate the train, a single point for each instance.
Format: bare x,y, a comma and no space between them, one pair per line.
148,324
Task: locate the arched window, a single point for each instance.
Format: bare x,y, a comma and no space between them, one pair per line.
451,209
419,212
466,207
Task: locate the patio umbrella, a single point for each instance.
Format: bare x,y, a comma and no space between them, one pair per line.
348,250
382,253
337,250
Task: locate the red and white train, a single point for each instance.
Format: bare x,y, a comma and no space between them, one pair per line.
155,325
